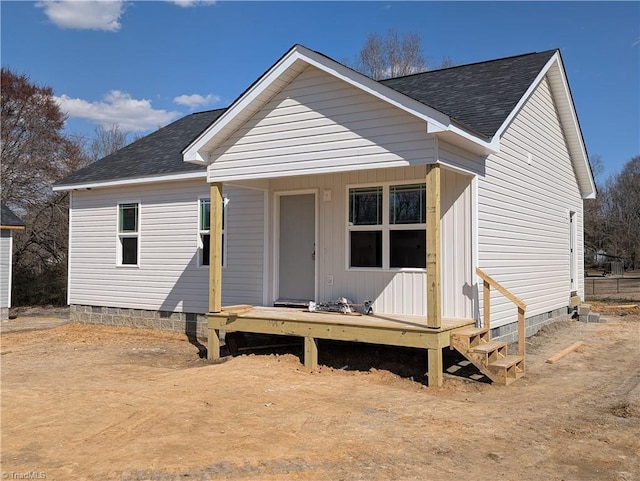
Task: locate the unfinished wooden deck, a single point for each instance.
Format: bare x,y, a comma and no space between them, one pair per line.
393,330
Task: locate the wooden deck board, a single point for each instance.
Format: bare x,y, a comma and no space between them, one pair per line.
397,330
392,322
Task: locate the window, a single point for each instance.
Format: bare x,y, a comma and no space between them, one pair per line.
128,234
204,236
387,226
365,212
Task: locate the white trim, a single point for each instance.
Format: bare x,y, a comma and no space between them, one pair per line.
574,131
132,181
69,250
516,110
276,239
323,170
573,251
10,286
198,150
475,249
265,251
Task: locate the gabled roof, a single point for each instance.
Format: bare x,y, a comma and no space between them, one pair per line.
469,104
480,96
155,155
8,220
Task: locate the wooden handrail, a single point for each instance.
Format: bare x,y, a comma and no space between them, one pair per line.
488,283
500,288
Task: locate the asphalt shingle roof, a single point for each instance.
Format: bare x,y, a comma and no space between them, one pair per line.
155,154
479,96
8,218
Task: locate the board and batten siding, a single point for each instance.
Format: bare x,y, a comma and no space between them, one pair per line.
524,202
320,124
169,277
392,291
6,246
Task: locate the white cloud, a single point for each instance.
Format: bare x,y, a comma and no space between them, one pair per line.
84,15
192,3
196,100
117,108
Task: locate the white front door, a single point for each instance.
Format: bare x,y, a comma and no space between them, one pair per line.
297,266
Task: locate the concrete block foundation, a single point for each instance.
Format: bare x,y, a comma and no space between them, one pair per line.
187,323
509,332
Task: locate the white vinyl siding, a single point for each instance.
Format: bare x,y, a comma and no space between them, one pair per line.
6,245
393,291
524,202
319,124
456,245
168,278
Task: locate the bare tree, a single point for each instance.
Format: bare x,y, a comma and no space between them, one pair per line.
624,211
34,153
391,56
446,62
107,141
394,55
612,220
33,150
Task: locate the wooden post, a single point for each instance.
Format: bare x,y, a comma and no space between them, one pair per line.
311,353
213,344
486,299
215,257
434,293
434,358
521,332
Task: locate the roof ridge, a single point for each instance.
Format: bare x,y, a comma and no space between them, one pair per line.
471,64
204,112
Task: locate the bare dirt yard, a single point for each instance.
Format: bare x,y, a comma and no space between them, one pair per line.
104,403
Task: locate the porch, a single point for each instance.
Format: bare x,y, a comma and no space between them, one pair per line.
392,330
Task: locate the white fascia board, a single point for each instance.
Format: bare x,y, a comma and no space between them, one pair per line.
132,181
293,172
436,120
575,131
574,127
198,158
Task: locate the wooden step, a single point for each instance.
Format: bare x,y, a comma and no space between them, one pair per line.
472,331
507,369
465,339
507,362
490,346
490,351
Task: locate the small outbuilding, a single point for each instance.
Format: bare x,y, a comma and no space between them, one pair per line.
9,222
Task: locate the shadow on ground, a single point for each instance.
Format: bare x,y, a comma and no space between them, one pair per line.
405,362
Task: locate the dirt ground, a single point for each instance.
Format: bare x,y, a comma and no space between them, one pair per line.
103,403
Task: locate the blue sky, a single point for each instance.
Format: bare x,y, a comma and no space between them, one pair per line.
144,64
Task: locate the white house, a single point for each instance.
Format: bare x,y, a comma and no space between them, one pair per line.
325,175
9,223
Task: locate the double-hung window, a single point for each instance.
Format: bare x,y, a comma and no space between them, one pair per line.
365,226
387,226
128,234
204,231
